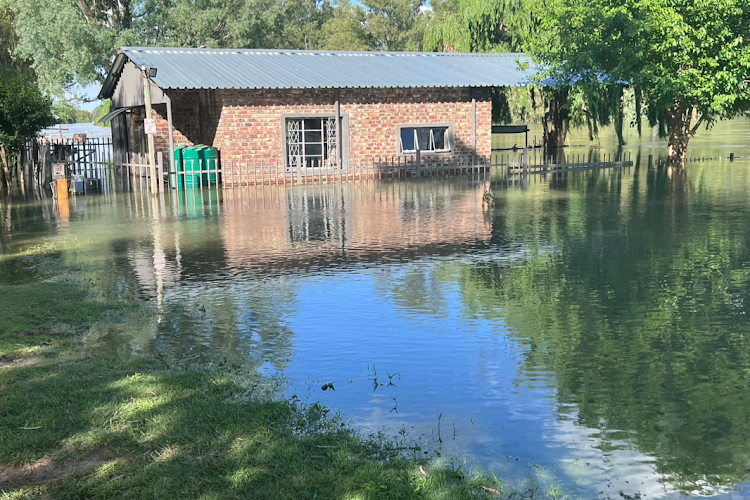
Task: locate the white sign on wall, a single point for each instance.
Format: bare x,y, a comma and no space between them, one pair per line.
149,125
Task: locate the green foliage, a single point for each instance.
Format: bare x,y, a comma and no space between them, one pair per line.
346,30
65,112
210,23
480,26
71,43
394,25
685,60
64,47
303,21
100,111
24,111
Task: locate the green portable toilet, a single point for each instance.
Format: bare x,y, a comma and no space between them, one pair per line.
178,180
212,162
193,159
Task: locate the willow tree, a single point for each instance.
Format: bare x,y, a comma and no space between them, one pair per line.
688,62
514,26
486,26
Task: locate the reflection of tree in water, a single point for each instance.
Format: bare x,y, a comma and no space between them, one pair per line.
414,287
640,309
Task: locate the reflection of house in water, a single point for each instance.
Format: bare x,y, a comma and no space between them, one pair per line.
316,226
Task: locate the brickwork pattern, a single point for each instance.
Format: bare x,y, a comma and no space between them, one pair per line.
248,124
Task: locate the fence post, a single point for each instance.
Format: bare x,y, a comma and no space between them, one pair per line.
160,170
299,170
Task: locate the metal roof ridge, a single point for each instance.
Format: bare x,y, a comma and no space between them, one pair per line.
266,51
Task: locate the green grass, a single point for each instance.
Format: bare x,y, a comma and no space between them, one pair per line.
45,317
195,433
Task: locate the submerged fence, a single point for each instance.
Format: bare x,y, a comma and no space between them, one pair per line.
95,161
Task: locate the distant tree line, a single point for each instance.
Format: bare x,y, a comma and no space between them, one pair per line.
679,64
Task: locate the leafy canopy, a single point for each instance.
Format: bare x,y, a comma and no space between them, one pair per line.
24,110
71,42
686,54
377,25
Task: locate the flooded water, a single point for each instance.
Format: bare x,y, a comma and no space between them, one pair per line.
590,329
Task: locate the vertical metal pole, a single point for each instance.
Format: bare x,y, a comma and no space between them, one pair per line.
159,172
151,145
473,129
339,138
171,135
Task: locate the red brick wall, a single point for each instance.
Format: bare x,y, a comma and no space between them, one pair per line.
247,124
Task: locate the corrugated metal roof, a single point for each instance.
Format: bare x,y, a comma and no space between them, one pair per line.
185,68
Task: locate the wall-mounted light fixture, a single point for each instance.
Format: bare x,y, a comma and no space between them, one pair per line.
151,72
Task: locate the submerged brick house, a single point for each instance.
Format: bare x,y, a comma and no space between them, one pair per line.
310,107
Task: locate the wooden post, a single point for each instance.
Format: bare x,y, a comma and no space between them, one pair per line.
151,145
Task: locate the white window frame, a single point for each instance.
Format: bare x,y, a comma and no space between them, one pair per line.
432,151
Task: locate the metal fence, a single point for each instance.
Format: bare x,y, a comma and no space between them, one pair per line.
95,159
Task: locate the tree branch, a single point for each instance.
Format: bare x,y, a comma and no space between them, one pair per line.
85,10
697,126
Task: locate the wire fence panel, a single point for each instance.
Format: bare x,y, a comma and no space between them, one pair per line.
94,161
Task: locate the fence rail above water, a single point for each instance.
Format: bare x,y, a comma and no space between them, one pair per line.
95,159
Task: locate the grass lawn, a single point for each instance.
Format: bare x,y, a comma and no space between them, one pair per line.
73,426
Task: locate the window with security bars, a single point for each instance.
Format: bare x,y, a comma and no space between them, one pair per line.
311,142
426,139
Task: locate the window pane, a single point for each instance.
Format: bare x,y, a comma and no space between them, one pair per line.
439,138
423,136
313,124
313,149
407,139
313,136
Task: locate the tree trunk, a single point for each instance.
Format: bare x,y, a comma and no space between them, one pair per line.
6,169
677,148
555,122
681,130
620,118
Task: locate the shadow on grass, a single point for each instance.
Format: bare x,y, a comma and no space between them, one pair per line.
184,433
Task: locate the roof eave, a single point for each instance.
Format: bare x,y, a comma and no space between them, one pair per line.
113,76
